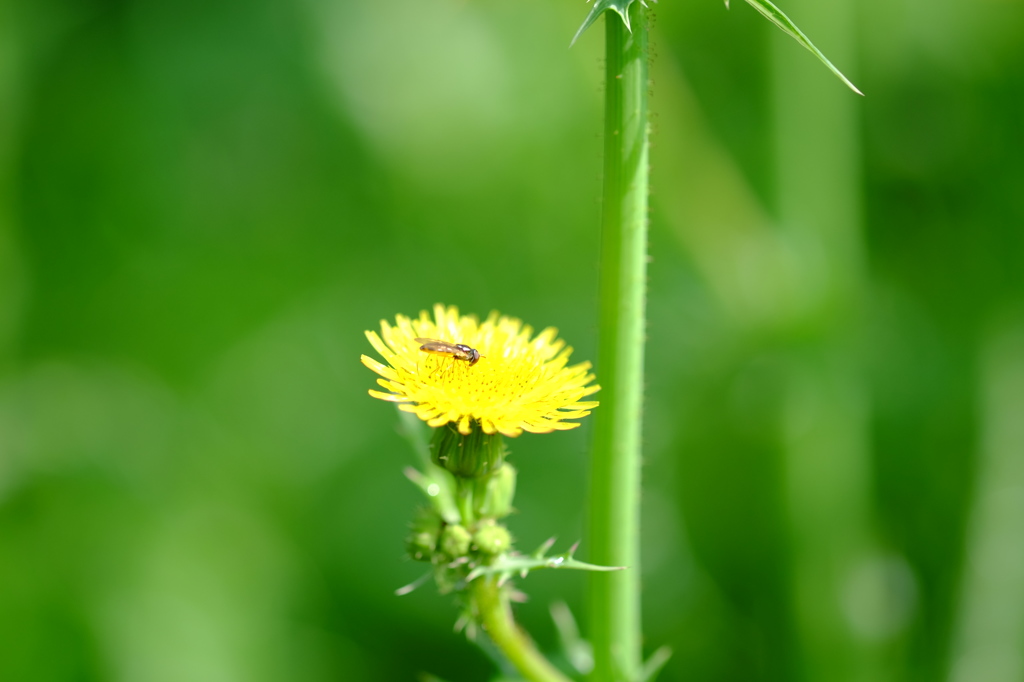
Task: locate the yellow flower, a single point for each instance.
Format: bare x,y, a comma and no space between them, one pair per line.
518,384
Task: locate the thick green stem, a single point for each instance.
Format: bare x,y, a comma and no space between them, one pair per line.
615,485
492,607
827,434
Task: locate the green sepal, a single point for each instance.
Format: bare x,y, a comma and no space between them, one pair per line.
438,485
514,563
493,495
779,18
471,455
620,7
435,482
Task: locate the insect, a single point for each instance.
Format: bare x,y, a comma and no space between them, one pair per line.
459,351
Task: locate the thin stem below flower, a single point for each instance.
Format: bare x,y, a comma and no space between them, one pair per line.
464,500
491,602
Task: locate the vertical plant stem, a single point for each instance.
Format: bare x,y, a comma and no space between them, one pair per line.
837,575
990,627
491,603
614,623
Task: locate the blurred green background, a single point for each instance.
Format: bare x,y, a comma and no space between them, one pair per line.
203,205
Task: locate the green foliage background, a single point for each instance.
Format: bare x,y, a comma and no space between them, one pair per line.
204,204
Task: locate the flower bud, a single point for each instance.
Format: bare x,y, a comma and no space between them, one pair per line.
492,538
423,536
455,541
467,456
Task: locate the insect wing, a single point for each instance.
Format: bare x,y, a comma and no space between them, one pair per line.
443,348
440,347
458,351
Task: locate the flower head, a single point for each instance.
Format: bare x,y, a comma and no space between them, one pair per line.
519,383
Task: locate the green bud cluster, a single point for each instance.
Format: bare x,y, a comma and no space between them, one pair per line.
430,539
482,489
455,549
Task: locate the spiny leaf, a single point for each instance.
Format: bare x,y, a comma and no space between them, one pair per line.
511,564
620,7
777,17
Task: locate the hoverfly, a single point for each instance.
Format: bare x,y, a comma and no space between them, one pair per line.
459,351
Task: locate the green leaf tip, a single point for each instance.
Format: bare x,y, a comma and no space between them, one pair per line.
620,7
779,18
